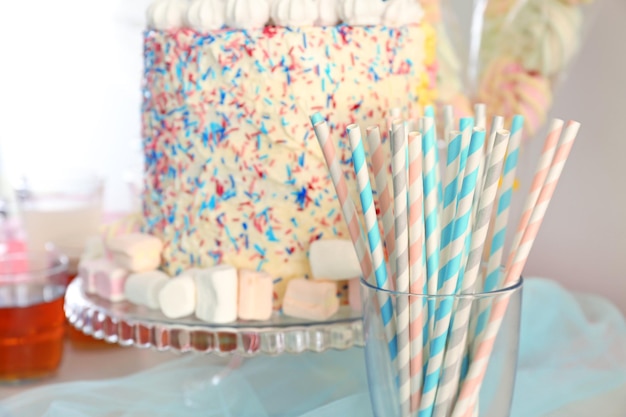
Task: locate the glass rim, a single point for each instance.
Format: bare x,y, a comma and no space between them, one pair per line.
61,264
509,289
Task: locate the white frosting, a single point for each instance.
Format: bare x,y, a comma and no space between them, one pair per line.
247,14
166,14
361,12
294,13
206,15
402,12
328,15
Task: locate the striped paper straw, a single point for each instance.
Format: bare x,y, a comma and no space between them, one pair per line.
454,174
373,237
350,214
399,172
547,154
496,124
499,225
458,336
451,272
451,186
416,267
430,170
471,386
379,168
429,111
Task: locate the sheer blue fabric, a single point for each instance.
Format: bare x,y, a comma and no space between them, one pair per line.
573,347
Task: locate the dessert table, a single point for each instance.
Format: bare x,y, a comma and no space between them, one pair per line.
572,363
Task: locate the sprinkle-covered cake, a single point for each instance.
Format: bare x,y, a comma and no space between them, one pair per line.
233,173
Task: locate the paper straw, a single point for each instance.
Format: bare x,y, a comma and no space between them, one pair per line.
373,237
458,336
496,124
429,111
471,386
480,113
399,172
448,121
416,267
379,168
432,232
499,225
454,173
451,186
341,187
451,272
547,154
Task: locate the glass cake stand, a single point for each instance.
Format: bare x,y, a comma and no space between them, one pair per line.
130,325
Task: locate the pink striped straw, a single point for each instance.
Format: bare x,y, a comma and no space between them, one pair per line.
547,154
347,205
416,267
517,259
385,203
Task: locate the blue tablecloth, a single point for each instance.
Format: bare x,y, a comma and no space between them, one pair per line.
573,347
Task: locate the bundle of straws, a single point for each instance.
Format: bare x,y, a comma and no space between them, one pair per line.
441,231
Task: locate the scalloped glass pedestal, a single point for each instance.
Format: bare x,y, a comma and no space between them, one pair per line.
131,325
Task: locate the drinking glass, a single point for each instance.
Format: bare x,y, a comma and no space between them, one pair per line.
32,286
496,388
65,211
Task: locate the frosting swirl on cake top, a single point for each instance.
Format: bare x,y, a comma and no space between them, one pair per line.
210,15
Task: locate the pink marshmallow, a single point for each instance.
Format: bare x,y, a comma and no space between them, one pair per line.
354,295
136,252
311,300
109,283
87,271
256,290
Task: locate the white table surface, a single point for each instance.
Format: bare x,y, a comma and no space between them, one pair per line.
80,364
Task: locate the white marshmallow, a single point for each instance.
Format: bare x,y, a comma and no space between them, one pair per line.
143,288
109,283
216,294
177,298
333,259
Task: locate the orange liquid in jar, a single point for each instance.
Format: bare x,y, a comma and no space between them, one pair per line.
31,331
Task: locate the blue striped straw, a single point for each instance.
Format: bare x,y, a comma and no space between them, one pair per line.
430,170
374,238
451,271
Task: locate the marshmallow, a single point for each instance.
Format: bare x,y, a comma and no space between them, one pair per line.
109,282
256,292
136,252
216,294
333,259
311,300
354,295
177,298
143,288
87,271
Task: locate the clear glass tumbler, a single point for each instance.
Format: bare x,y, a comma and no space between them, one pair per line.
32,286
464,343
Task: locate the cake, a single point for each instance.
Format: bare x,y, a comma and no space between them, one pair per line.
233,172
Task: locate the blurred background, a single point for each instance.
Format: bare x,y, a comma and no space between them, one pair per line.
70,102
